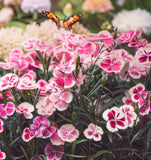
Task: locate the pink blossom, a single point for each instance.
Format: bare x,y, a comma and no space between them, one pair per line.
28,73
80,79
6,15
72,38
42,127
38,158
111,64
11,2
97,5
125,37
2,155
42,86
25,108
137,43
136,92
1,126
55,140
8,94
27,135
115,118
45,107
54,152
68,133
88,48
123,54
131,116
36,61
8,81
64,80
61,99
143,54
52,85
66,67
17,60
137,70
63,53
106,39
7,110
144,103
127,100
93,132
33,44
26,84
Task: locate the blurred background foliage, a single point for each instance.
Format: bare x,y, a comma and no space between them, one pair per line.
94,21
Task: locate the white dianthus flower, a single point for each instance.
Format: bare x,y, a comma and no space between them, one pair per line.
32,5
134,19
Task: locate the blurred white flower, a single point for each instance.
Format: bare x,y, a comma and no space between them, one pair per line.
135,19
32,5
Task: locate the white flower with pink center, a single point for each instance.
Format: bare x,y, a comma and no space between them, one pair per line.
136,92
55,139
27,135
125,37
29,73
144,103
112,63
7,110
26,109
136,70
93,132
42,127
68,133
129,112
45,106
33,44
143,55
18,60
115,118
54,152
1,126
127,100
106,39
26,84
52,85
64,80
61,99
8,81
2,155
42,86
66,67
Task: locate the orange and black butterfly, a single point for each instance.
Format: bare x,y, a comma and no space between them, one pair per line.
67,24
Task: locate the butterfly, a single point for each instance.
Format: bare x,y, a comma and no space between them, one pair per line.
67,24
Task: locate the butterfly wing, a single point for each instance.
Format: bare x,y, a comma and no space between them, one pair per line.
67,24
53,17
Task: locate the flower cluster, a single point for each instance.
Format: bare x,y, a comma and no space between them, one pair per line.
55,92
124,23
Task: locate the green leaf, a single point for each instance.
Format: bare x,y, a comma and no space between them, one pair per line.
139,133
68,120
99,153
14,141
81,141
76,156
148,138
47,63
24,152
16,24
